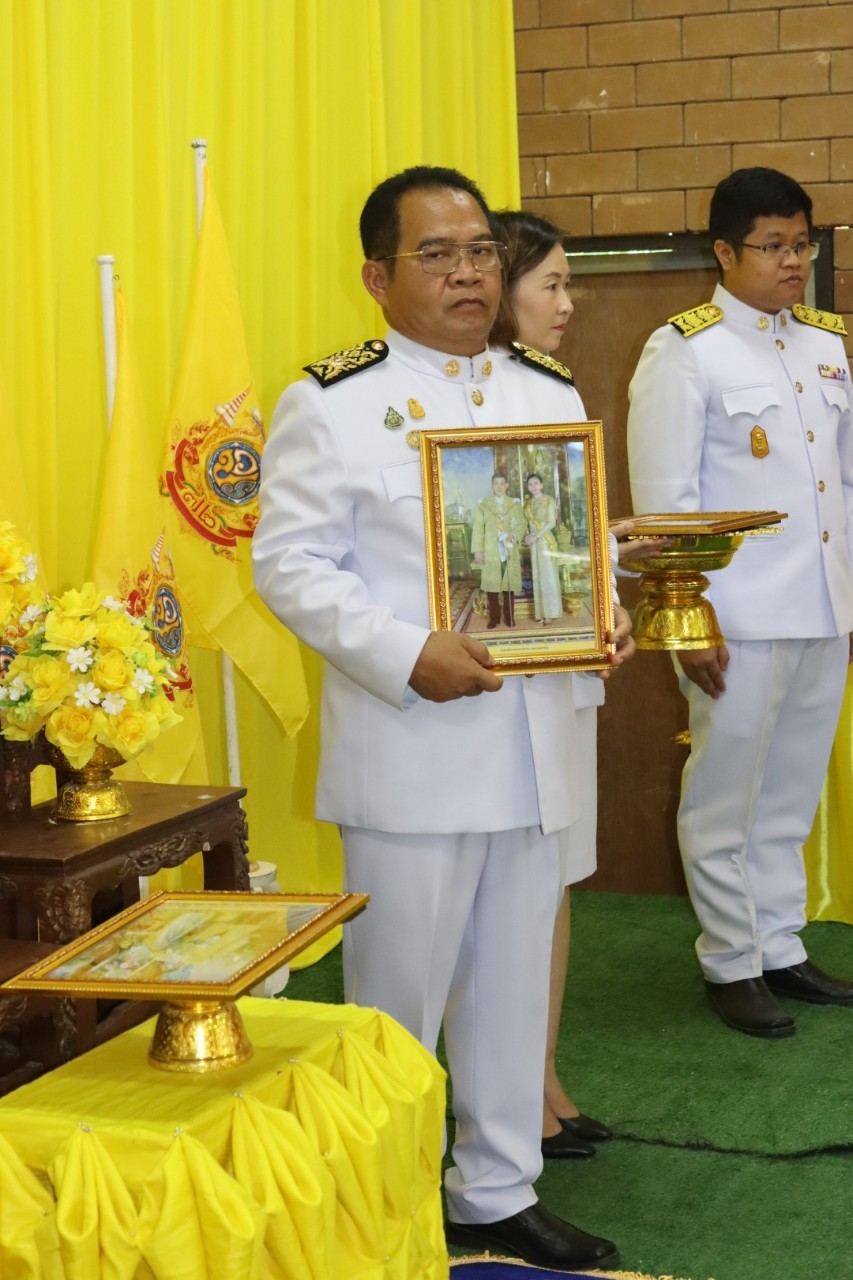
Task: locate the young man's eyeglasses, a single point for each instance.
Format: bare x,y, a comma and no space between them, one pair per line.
777,251
440,258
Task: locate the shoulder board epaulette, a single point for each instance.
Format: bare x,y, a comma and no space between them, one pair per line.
538,360
697,319
343,364
820,319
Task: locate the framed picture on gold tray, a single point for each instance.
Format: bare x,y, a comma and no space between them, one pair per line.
516,536
188,946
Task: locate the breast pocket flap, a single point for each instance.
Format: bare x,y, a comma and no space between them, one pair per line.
752,400
835,396
402,480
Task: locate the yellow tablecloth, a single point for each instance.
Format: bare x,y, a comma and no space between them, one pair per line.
318,1158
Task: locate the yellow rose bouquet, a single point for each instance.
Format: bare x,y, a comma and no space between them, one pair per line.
86,672
18,590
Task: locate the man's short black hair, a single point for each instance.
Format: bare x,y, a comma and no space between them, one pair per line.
748,194
380,219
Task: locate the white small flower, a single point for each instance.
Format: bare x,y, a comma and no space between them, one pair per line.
31,568
30,614
16,690
113,703
79,659
87,694
143,681
110,602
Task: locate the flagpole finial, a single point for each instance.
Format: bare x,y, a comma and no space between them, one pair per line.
198,142
104,258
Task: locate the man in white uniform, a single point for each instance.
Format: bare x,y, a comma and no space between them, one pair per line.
744,404
449,803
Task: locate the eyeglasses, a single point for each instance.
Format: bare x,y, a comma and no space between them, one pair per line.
778,251
440,258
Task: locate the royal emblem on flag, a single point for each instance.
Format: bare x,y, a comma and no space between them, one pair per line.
215,474
152,593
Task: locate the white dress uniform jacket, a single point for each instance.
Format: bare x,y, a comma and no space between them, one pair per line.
753,412
339,556
693,446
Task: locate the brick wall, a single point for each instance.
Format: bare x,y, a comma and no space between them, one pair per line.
630,111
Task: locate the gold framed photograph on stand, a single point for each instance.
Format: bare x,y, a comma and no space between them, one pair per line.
517,549
197,952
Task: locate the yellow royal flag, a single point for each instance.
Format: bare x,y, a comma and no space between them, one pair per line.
132,562
211,476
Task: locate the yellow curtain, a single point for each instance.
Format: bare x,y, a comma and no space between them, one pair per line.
829,867
305,105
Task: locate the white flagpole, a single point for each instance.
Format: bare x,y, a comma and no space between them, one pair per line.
229,697
108,320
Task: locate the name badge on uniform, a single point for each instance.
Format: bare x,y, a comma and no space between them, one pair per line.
834,371
760,446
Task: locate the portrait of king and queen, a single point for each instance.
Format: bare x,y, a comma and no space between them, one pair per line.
517,538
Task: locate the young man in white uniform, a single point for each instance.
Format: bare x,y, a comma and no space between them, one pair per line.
449,802
744,404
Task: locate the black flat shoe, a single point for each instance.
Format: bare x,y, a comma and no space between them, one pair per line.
806,982
585,1128
539,1237
565,1146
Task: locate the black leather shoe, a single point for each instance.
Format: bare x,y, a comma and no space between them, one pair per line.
749,1005
539,1237
806,982
585,1128
565,1146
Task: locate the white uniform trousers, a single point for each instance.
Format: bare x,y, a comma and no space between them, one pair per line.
459,928
750,790
578,843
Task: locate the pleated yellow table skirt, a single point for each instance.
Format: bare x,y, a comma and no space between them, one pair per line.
320,1158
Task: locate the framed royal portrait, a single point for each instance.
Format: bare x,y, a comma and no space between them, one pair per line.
517,549
180,945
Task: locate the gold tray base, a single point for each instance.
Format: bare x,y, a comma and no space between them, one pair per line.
201,1035
673,613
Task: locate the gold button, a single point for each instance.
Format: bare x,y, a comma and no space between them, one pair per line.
477,396
487,369
763,322
799,387
825,536
821,486
810,436
780,344
451,368
784,320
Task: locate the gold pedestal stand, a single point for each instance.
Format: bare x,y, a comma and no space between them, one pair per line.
201,1035
673,613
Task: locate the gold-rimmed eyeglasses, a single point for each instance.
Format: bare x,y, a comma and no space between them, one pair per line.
443,257
778,251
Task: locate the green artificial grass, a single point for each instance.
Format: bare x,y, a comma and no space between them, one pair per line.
733,1156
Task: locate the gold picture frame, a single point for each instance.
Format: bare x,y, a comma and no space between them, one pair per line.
234,939
554,603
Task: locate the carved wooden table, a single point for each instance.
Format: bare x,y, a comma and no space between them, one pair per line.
52,871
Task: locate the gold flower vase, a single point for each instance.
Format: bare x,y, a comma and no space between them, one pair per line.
89,794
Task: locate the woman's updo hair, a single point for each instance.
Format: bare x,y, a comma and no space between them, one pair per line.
528,241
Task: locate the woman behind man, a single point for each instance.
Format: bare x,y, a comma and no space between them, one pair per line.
534,310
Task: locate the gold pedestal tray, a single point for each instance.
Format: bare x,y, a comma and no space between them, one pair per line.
201,1035
674,613
197,952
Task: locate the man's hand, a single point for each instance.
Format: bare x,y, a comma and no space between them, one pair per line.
622,638
637,547
451,666
705,667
